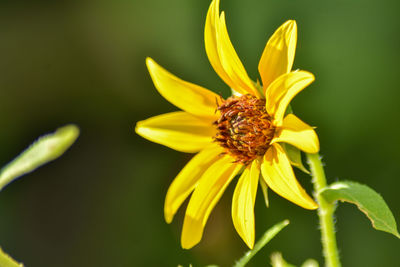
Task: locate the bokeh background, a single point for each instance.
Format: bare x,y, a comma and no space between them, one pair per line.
101,204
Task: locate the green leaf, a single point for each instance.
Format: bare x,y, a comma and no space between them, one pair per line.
289,110
264,189
268,235
294,155
45,149
367,200
7,261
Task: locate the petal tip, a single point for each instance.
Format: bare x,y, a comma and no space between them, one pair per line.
249,243
303,76
168,216
149,60
291,24
308,204
138,127
315,149
250,246
150,63
191,235
312,206
308,75
186,246
290,27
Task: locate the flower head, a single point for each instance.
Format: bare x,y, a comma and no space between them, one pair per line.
238,135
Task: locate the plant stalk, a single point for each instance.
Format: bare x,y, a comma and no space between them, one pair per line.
325,212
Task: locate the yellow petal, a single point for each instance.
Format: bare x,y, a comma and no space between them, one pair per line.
178,130
186,96
211,186
297,133
187,179
210,40
282,90
278,55
243,201
222,55
279,176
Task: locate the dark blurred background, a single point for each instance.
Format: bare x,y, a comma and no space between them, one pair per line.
101,204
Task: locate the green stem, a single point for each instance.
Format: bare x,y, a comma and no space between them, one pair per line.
325,212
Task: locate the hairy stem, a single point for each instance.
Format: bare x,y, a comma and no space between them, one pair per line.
325,212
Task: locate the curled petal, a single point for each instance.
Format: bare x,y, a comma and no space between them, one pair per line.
282,90
278,55
187,96
211,186
178,130
278,174
297,133
243,201
187,179
222,55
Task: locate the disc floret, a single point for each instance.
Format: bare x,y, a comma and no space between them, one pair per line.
244,128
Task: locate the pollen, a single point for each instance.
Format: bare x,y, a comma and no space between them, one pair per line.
244,128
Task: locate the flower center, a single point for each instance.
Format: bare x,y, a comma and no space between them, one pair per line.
244,128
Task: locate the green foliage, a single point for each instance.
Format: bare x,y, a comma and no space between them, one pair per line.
268,235
264,189
45,149
367,200
295,157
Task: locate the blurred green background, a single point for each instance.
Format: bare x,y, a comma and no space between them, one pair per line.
101,204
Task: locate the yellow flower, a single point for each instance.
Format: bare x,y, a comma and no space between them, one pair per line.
238,135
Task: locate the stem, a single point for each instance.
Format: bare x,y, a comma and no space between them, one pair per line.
325,212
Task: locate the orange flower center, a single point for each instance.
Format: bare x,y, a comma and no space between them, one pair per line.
244,128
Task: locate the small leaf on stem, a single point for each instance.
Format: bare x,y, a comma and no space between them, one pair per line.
264,188
294,155
268,235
